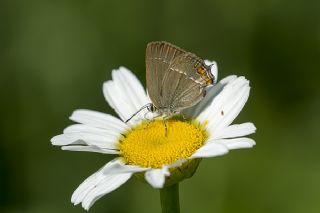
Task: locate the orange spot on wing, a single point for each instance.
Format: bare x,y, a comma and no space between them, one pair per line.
201,70
209,81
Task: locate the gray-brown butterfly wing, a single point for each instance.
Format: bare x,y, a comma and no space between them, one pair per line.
159,56
184,82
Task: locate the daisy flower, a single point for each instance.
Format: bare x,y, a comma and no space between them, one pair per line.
142,146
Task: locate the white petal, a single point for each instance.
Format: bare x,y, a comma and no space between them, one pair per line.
236,143
117,166
222,94
100,183
210,150
132,86
228,79
212,92
156,177
105,186
98,120
89,149
236,130
125,94
82,128
90,183
85,128
76,138
111,92
177,163
226,105
233,108
214,68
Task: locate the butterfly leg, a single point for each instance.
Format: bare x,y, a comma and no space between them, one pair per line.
164,120
165,126
183,116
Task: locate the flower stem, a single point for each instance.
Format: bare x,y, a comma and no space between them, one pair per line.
169,197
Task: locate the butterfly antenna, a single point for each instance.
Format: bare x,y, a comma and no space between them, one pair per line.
145,106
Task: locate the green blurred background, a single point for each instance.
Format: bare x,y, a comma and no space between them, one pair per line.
55,55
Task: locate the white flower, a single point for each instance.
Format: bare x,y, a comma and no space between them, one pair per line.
103,133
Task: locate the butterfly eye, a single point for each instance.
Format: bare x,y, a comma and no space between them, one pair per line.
151,108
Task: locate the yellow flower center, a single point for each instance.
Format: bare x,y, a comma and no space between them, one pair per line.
148,145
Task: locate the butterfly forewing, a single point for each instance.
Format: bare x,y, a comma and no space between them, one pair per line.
159,56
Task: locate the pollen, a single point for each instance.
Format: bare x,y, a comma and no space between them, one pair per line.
148,144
